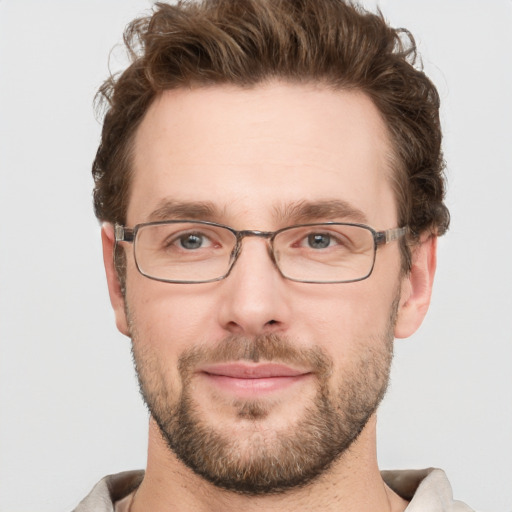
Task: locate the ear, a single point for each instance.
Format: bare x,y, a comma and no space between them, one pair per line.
114,286
417,288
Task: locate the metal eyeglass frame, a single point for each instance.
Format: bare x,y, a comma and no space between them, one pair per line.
124,234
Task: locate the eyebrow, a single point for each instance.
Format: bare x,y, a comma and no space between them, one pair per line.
310,211
299,212
194,210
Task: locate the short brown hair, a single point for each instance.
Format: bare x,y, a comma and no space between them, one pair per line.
246,42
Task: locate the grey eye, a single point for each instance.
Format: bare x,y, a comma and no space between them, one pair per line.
319,240
191,241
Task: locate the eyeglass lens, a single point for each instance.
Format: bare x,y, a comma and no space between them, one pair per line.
197,252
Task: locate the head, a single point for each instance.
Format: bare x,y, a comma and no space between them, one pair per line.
259,115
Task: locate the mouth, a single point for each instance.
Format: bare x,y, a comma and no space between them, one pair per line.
252,380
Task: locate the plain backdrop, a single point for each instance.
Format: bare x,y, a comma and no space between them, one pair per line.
70,411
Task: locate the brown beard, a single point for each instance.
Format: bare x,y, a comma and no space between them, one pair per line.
268,462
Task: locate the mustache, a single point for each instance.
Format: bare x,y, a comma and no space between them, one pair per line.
266,347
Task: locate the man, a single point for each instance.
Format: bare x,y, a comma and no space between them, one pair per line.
271,191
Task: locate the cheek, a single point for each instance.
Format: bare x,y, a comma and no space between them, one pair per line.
335,316
170,317
357,333
162,329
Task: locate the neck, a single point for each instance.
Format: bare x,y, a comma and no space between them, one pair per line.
352,483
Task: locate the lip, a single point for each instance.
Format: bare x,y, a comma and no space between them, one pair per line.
249,371
252,380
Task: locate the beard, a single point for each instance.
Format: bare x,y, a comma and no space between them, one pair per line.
267,461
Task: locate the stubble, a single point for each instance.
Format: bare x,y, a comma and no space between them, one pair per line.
267,461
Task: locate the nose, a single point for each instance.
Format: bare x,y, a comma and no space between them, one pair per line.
254,297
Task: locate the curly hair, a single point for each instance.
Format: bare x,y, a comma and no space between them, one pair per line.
247,42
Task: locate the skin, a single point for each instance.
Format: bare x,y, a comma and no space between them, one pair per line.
250,152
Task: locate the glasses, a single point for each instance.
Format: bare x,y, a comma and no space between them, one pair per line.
201,252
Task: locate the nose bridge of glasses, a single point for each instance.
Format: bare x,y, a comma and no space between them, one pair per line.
240,235
251,232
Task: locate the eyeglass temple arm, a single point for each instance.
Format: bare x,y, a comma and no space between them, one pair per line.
384,237
123,234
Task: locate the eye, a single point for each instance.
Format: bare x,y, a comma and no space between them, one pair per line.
318,240
191,241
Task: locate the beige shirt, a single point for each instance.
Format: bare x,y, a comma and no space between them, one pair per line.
427,490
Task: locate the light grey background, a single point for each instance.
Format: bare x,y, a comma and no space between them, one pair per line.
69,406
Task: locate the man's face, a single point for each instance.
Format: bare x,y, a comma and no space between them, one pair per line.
259,383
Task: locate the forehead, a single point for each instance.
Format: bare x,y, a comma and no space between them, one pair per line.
251,152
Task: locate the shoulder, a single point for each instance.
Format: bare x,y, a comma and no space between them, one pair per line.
426,489
110,489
